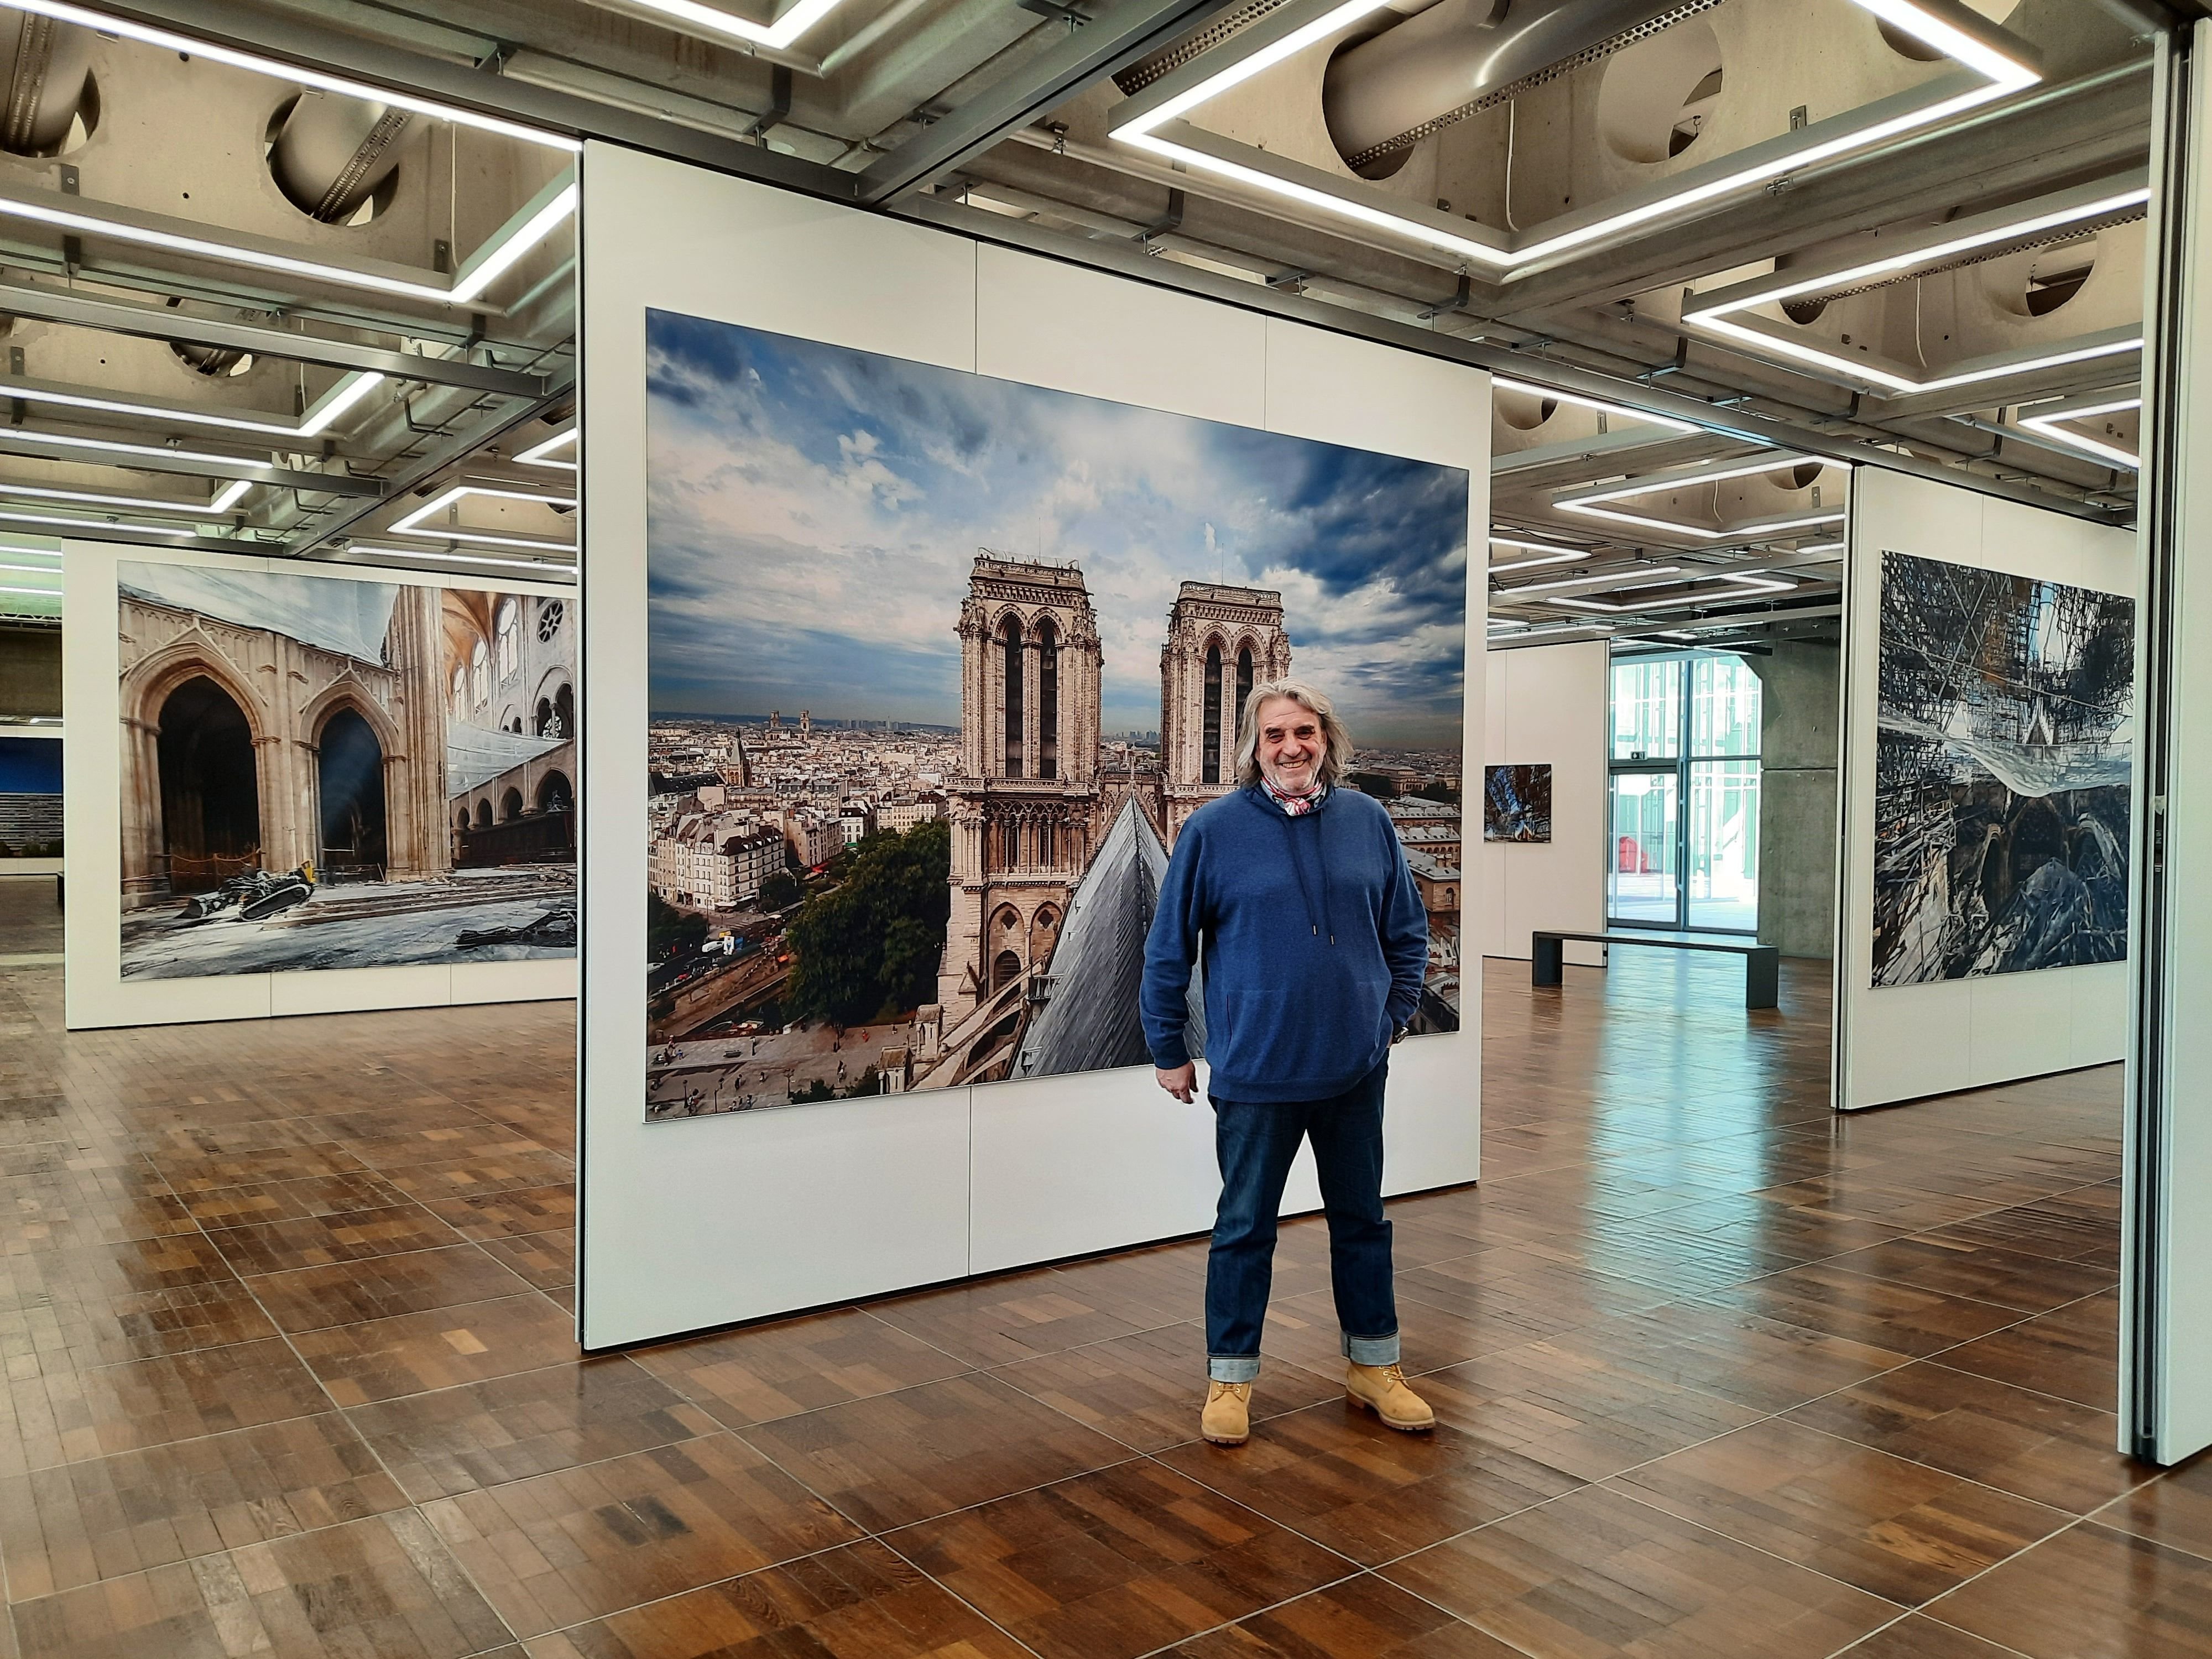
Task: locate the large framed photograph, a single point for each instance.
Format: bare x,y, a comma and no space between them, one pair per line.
940,666
2002,763
324,772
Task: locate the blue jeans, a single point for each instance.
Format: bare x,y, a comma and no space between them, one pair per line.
1254,1144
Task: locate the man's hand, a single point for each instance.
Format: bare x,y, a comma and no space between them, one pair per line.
1182,1082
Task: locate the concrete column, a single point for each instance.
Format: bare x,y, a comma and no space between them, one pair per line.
1800,746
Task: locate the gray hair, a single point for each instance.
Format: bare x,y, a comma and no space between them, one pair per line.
1335,762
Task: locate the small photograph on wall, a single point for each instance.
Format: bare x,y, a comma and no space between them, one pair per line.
939,666
30,798
1517,803
2001,767
319,772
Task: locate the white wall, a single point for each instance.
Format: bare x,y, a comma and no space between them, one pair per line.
1545,703
1905,1041
706,1221
94,991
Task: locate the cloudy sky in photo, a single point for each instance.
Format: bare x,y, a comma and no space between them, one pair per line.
813,512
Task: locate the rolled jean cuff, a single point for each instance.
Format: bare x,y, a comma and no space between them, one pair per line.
1371,1350
1232,1367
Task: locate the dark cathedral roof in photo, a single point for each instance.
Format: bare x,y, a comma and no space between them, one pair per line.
1089,1019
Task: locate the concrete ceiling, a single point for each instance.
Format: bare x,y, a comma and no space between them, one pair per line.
999,117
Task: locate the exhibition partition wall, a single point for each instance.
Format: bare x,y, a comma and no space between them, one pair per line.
299,789
1988,697
1545,708
987,549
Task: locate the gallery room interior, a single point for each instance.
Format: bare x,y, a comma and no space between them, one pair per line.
638,639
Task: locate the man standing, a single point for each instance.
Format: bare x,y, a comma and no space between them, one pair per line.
1314,945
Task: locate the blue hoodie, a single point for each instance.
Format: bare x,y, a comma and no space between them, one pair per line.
1314,939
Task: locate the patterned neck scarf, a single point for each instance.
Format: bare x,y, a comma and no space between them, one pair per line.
1295,806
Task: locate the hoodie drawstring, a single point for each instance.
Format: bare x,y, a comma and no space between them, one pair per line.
1298,869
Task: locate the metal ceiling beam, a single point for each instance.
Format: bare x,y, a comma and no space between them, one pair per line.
161,322
291,38
1749,426
281,478
453,450
1111,41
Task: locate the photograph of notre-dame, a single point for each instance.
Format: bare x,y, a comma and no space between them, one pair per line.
939,666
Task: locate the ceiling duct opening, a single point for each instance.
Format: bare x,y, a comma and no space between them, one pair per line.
1389,91
53,103
334,157
1655,97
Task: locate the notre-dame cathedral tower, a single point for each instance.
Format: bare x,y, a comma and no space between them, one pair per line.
1024,806
1221,642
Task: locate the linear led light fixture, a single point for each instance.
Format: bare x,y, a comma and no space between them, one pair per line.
543,454
1718,315
1591,503
103,525
1751,583
36,592
1545,552
1998,65
192,45
2047,422
9,490
327,409
774,36
232,493
529,227
1652,570
412,525
463,558
1528,388
113,447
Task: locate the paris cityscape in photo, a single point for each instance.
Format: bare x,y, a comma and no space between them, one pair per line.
320,772
2002,769
939,666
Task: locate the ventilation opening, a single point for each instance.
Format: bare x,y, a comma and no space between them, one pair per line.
2058,275
1522,412
1657,94
216,362
1803,311
1802,476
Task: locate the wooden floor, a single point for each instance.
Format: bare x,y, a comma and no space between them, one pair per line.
284,1313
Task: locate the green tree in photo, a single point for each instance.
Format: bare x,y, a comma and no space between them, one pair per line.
780,891
671,933
871,943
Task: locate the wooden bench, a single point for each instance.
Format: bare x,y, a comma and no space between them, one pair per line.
1762,963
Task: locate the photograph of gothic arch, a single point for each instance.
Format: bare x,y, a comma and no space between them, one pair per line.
326,772
939,666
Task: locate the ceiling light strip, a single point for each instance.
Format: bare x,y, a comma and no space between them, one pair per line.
9,490
1619,575
421,553
485,267
327,409
107,23
774,36
542,454
1576,400
2049,424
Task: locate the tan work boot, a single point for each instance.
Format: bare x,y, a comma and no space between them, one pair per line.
1227,1419
1382,1390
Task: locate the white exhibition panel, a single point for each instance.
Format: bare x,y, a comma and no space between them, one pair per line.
714,1220
1898,1043
1545,704
94,991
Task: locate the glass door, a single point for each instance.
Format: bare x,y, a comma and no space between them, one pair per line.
1644,884
1684,849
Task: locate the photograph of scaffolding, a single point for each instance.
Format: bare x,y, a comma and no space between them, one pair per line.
2001,767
